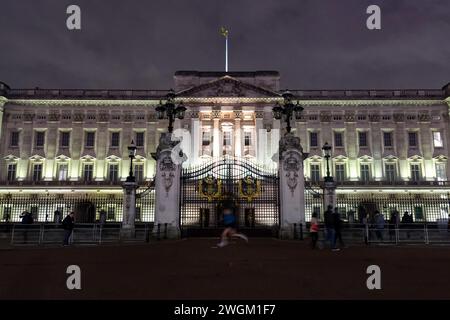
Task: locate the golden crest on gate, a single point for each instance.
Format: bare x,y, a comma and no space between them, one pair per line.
249,188
210,187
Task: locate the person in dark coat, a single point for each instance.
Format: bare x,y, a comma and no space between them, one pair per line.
27,220
329,226
68,224
406,223
337,221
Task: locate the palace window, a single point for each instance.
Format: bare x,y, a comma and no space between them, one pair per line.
437,139
65,139
227,138
338,141
441,174
365,172
90,139
315,172
63,171
139,172
14,142
313,139
12,169
389,169
88,172
362,138
415,172
247,138
206,138
139,139
37,172
340,172
113,172
40,139
412,139
387,139
115,139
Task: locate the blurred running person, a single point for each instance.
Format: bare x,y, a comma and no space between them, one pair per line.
229,221
68,224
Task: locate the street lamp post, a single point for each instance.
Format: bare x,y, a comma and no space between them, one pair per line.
327,154
170,110
132,154
287,109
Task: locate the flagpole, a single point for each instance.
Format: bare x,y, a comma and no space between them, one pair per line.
226,53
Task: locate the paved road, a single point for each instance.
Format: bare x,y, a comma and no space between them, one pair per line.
192,269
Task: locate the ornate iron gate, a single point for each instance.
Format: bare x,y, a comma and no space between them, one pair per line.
237,183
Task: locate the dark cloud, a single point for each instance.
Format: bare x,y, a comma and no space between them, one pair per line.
141,43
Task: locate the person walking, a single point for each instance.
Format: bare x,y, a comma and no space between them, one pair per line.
314,230
230,223
337,221
393,224
366,224
68,225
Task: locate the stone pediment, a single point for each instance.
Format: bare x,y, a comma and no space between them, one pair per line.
227,87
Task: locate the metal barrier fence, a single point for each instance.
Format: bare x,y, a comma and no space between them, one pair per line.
51,233
416,233
87,207
430,207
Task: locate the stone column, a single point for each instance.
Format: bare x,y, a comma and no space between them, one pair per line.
260,137
237,134
129,209
292,185
216,138
167,187
2,103
329,194
195,134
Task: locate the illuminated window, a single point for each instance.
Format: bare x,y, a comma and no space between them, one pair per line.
415,172
63,171
441,174
437,139
340,172
227,138
315,172
113,172
88,172
37,172
389,169
365,172
139,172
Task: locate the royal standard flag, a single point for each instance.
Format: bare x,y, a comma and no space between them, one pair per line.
224,32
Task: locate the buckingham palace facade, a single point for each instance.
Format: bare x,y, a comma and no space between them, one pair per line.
68,149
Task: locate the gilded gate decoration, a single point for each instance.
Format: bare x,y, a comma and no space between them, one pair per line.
249,188
210,187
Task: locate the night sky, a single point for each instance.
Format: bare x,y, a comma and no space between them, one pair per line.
139,44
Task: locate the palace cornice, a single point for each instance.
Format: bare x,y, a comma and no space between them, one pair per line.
81,103
224,101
